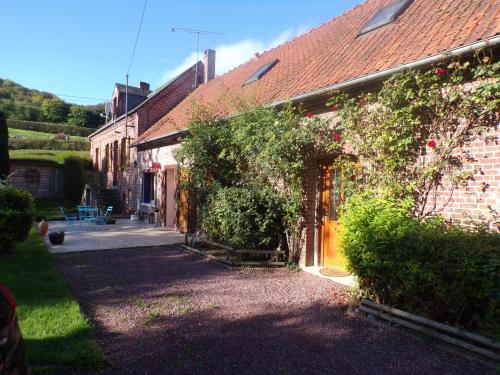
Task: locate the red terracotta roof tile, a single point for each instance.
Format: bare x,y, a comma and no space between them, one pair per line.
333,52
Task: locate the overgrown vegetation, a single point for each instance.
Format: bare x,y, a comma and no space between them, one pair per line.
48,127
443,272
4,148
54,328
16,216
408,136
74,179
244,217
263,150
28,134
21,103
47,144
49,155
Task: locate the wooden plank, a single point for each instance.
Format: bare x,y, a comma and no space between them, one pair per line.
442,337
251,263
278,252
431,323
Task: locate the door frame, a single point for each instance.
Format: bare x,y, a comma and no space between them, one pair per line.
318,207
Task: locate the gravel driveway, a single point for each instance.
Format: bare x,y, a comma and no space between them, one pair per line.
163,311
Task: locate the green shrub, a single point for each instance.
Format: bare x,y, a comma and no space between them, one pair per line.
48,127
4,148
47,144
244,217
16,216
443,272
74,179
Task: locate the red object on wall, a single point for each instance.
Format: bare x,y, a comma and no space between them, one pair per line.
155,165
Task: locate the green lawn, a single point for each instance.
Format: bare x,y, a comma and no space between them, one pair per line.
35,134
53,326
49,209
47,155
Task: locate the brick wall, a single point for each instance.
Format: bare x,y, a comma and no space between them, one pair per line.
129,179
478,202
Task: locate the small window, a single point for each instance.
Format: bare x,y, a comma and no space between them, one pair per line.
260,72
386,15
32,176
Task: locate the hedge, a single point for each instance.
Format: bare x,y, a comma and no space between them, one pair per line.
16,216
74,179
444,272
47,144
49,127
244,217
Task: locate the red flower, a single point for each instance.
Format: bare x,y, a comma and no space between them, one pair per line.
309,114
336,136
352,178
441,71
361,101
431,143
335,108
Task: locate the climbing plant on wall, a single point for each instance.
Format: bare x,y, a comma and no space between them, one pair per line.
409,134
260,148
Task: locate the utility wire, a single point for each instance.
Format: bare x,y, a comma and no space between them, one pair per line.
137,37
79,97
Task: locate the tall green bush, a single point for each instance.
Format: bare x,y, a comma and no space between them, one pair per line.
16,216
446,273
74,179
4,147
244,217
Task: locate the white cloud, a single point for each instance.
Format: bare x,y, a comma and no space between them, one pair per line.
232,55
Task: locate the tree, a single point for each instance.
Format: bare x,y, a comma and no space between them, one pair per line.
74,179
77,115
4,147
55,110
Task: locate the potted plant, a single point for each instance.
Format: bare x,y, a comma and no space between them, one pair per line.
56,238
135,216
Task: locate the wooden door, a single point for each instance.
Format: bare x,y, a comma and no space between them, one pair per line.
168,198
332,197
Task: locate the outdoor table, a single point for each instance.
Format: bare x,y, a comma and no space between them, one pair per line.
87,214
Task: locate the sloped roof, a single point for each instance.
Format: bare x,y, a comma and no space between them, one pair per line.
152,95
334,52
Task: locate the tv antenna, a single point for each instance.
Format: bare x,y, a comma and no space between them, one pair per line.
198,33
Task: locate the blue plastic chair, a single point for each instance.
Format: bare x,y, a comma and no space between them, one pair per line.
70,218
103,219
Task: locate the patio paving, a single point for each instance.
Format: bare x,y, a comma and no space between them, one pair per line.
123,234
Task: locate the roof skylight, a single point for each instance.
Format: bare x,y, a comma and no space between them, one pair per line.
386,15
260,72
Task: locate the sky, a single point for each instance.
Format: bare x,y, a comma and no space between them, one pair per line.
82,47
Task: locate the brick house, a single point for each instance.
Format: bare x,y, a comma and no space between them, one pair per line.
134,179
355,52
